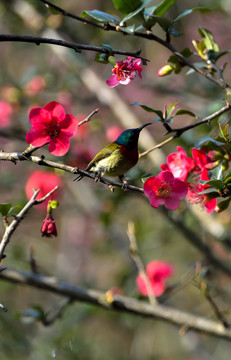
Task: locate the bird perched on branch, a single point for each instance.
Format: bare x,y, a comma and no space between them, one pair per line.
118,157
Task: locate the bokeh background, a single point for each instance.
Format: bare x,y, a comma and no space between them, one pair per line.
92,247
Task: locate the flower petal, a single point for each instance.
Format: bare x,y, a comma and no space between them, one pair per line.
112,81
69,125
60,145
56,109
36,138
172,203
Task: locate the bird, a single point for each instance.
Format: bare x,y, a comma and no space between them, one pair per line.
118,157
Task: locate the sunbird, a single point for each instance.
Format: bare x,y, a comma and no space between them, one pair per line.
118,157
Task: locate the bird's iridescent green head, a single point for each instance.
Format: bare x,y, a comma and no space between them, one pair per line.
129,138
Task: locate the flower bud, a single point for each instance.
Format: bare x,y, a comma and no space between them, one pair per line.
165,70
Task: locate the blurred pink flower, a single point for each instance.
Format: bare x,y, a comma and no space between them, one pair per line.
51,125
165,189
113,132
35,86
124,71
49,226
157,272
179,164
6,112
44,181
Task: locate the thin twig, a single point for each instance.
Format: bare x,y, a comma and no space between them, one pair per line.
149,36
179,131
18,218
88,118
140,266
68,44
118,303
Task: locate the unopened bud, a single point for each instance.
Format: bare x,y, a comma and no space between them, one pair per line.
165,70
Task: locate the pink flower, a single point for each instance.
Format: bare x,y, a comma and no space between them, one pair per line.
157,272
44,181
179,164
6,112
51,125
125,71
165,189
35,86
49,227
195,188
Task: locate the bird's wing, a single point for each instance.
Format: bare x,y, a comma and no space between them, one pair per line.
103,154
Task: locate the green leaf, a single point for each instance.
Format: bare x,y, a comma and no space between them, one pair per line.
135,12
216,173
145,177
171,108
149,109
5,208
223,205
187,12
173,59
128,29
127,6
153,19
209,42
108,48
204,140
36,313
14,210
211,192
184,112
163,7
218,184
100,16
186,52
52,10
112,60
101,58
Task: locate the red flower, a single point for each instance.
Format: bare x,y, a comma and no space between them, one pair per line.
202,160
179,164
125,71
157,272
6,112
49,228
164,189
51,125
44,181
195,188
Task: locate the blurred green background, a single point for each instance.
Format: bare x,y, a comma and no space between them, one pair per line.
92,248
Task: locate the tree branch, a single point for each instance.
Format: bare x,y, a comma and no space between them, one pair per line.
118,303
68,44
10,229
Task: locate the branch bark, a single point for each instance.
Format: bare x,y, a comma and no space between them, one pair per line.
118,303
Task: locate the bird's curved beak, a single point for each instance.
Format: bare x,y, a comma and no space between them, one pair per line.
143,126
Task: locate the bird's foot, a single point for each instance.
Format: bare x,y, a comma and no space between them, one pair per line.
111,188
97,176
125,185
